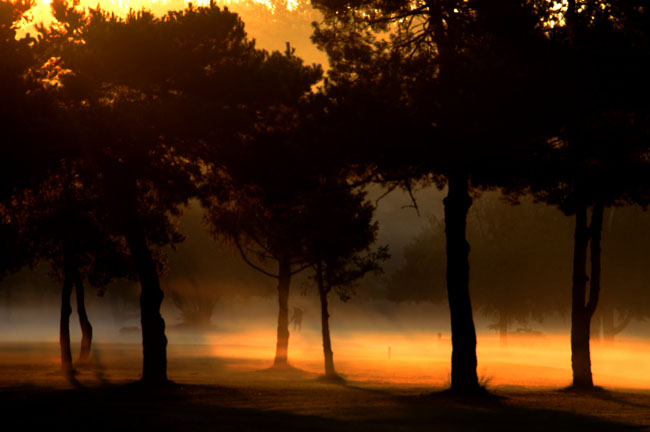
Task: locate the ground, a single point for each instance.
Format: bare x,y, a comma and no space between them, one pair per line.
213,393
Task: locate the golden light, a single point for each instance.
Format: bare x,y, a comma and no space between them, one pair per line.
423,358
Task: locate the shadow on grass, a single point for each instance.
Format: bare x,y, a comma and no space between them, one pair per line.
603,394
202,407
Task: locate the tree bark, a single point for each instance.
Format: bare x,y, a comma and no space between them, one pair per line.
84,322
580,360
282,345
330,372
463,334
582,313
154,341
66,311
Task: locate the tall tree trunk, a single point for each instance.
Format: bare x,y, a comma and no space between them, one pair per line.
66,311
463,334
282,346
580,360
154,341
84,322
582,313
330,372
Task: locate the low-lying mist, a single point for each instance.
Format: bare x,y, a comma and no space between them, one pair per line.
396,329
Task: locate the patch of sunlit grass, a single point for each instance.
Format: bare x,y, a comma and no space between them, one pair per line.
421,358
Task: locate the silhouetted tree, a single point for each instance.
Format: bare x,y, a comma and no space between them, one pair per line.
59,222
595,159
452,80
126,81
337,233
255,185
260,222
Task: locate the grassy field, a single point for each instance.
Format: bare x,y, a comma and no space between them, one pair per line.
213,393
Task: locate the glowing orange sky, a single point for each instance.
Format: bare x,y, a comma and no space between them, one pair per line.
270,34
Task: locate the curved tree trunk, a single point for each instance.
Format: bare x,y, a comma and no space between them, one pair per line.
84,322
282,345
154,341
330,372
463,334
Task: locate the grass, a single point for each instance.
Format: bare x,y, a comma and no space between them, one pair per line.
211,393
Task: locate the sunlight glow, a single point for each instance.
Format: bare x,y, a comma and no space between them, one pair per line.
421,358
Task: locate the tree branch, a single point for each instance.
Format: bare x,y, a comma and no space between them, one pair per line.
250,263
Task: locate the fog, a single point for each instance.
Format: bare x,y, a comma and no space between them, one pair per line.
376,337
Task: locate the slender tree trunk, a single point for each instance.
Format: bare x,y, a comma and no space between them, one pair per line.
330,372
580,360
463,334
582,313
84,322
66,311
282,346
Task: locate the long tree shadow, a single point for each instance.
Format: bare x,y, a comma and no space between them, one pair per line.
205,407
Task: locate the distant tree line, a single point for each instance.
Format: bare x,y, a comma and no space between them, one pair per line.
111,125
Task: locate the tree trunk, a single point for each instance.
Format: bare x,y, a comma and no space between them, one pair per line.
282,346
580,359
66,311
84,322
330,372
581,314
154,341
463,334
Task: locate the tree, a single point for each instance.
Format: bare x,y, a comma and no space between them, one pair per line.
126,81
458,75
255,186
261,227
338,231
59,223
595,158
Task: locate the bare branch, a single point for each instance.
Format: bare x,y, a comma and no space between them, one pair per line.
250,263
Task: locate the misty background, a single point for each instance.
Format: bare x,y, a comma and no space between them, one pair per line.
521,273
